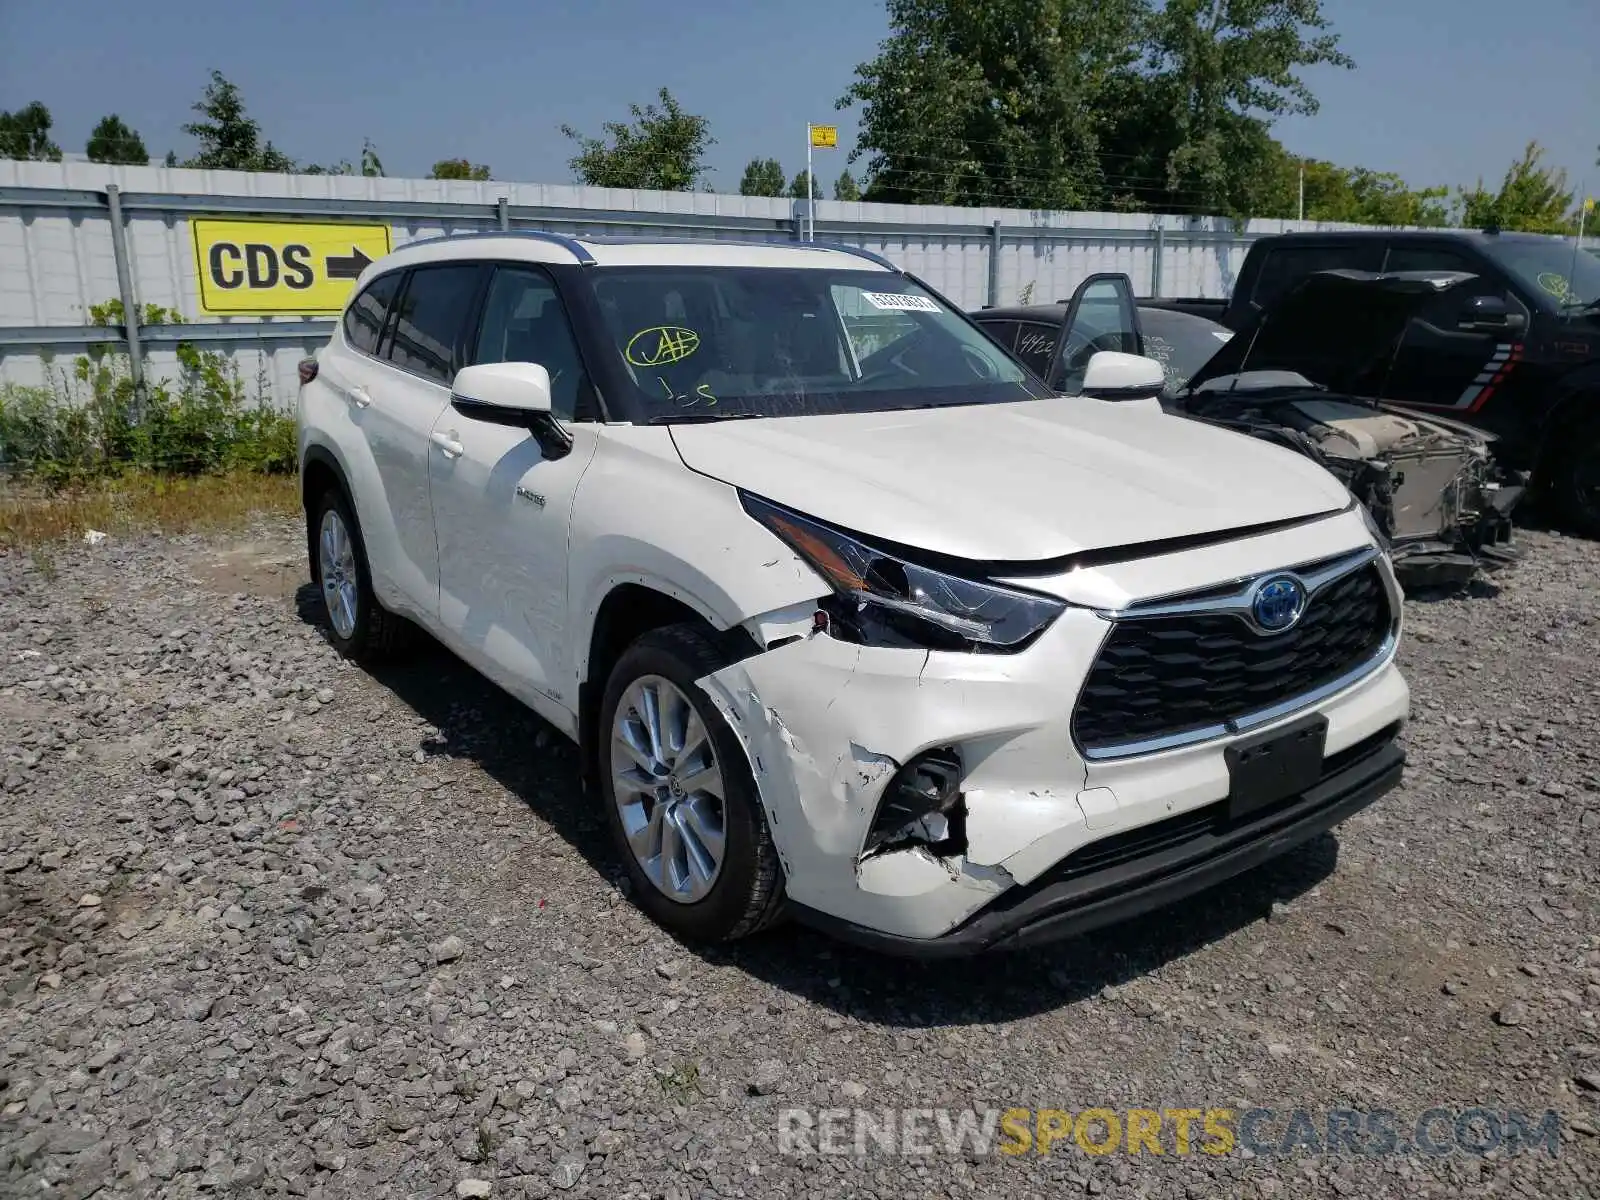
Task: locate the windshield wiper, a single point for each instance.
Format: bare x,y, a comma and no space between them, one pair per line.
700,418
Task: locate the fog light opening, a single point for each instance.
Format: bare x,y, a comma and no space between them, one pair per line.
922,806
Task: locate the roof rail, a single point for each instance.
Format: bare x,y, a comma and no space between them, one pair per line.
576,248
841,248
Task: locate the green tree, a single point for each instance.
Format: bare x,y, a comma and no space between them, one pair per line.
1193,124
26,134
459,168
1362,197
663,149
1350,195
992,101
371,165
229,139
1532,197
113,142
762,177
797,187
845,187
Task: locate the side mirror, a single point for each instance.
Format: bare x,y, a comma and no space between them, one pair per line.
504,393
511,393
1490,314
1112,375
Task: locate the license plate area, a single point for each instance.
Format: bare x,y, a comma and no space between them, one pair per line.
1270,767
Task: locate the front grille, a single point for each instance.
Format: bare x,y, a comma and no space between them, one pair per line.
1164,677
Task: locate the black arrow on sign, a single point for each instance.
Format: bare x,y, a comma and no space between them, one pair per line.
347,268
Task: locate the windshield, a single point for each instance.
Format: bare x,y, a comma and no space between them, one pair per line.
1181,343
1548,265
705,342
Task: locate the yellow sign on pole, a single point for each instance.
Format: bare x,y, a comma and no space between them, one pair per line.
825,136
1588,204
265,268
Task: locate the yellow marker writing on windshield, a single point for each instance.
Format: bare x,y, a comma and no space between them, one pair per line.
661,345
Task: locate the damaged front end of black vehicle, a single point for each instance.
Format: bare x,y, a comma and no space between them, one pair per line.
1303,373
1307,372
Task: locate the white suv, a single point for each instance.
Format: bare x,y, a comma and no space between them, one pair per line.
850,617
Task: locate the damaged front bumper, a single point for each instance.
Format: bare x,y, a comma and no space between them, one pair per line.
1133,873
831,728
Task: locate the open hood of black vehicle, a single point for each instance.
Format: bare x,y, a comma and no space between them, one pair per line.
1338,329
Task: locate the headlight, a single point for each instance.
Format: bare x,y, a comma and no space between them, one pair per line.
882,598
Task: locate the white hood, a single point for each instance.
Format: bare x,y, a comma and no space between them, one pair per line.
1014,482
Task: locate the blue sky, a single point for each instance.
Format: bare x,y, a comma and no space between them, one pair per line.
1444,90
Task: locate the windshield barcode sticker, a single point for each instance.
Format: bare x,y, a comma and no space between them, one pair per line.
897,302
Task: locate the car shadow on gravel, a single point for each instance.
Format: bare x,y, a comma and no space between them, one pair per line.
904,993
479,722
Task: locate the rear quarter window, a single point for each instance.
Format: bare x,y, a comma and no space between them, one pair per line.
1036,343
363,320
1004,332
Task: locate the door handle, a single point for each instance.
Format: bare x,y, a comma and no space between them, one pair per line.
359,396
447,442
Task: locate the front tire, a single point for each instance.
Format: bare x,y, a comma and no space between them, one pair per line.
1575,485
679,798
359,627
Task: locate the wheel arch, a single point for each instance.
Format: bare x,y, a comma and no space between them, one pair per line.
320,469
629,609
1577,405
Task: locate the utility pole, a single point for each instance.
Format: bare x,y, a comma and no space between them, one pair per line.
811,216
1302,189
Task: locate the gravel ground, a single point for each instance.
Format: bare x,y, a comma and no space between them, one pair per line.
270,924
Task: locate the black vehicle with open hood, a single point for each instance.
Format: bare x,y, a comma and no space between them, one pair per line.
1302,373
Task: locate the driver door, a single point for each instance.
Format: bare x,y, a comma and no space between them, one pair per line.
1444,362
1102,315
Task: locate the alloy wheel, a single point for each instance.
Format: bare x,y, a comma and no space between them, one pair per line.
336,564
668,789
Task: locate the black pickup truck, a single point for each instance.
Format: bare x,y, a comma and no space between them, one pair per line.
1515,352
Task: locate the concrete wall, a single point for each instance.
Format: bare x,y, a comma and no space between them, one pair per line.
56,256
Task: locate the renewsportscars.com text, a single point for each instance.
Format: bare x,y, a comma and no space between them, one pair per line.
1264,1132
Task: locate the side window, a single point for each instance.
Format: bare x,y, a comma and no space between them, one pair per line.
1443,311
524,321
1427,258
1286,267
431,320
1441,258
363,320
1036,342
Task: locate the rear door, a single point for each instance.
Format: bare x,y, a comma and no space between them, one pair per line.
380,445
418,356
1440,366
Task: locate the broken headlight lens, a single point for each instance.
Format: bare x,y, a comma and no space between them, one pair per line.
882,598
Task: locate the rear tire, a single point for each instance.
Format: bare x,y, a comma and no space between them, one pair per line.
359,627
689,827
